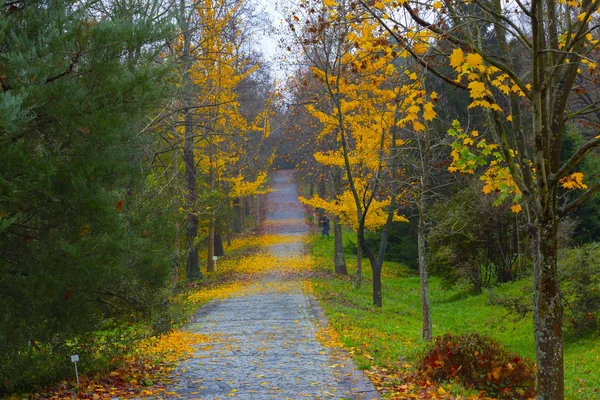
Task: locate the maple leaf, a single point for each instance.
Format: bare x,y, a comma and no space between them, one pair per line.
418,127
456,58
428,112
477,90
420,48
516,208
574,181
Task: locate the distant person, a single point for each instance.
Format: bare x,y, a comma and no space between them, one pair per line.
325,224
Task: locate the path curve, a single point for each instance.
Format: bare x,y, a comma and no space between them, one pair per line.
269,349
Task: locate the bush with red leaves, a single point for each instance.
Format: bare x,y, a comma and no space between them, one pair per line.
480,363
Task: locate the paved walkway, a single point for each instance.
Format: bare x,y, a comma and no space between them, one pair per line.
267,347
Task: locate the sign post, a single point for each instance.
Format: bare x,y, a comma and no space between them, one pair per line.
215,260
74,359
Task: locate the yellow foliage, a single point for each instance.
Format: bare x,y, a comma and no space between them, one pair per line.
456,58
474,60
171,347
477,90
216,73
241,187
251,241
573,181
516,208
344,207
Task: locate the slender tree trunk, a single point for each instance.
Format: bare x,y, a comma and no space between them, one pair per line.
426,330
377,294
237,216
377,263
358,281
219,250
519,249
338,248
228,238
547,312
257,209
210,263
177,248
193,262
246,207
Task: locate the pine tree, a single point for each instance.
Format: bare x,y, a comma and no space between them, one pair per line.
77,250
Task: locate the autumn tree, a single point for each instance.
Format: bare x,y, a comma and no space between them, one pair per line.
219,142
368,107
526,66
301,131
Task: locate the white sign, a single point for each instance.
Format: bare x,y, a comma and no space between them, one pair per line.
75,358
214,258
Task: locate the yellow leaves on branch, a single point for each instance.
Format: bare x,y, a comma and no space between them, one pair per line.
573,181
472,67
470,152
241,188
477,90
216,72
344,207
456,59
498,178
428,113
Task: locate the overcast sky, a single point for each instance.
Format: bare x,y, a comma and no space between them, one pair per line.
269,41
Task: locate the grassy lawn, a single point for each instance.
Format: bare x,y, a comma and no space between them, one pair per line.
390,337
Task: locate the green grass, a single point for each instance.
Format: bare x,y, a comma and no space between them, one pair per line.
391,335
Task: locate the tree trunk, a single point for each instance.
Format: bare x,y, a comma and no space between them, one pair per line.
426,330
177,248
358,281
219,250
338,251
519,250
257,210
193,262
338,248
377,296
210,263
375,266
237,216
547,312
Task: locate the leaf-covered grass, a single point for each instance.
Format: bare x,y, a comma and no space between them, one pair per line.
390,337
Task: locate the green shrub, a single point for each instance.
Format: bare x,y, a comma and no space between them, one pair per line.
579,275
480,363
401,247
